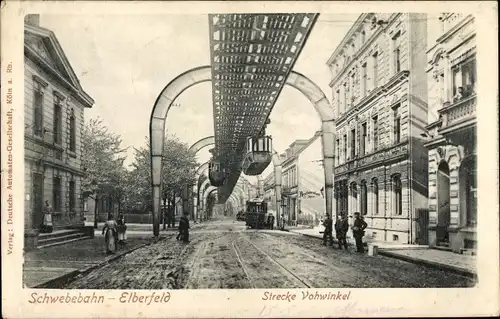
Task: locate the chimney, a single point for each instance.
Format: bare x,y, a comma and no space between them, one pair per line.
32,19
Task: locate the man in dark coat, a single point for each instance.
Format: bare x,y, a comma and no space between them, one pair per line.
327,234
341,228
184,229
358,231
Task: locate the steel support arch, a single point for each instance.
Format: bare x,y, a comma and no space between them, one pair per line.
203,187
196,147
207,193
204,74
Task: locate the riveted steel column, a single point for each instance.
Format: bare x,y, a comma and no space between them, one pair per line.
327,141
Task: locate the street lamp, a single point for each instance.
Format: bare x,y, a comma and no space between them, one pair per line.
94,190
282,217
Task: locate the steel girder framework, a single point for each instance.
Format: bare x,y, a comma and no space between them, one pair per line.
251,57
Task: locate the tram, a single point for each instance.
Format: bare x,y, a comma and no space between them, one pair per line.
256,213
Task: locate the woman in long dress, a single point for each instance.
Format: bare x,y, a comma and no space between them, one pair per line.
122,229
110,234
47,225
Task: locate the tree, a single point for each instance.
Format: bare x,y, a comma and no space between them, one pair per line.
179,165
102,160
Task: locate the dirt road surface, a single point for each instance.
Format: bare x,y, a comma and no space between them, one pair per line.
224,254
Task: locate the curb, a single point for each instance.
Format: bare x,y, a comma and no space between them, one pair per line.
61,281
431,264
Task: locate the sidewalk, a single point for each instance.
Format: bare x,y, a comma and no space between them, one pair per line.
53,265
446,260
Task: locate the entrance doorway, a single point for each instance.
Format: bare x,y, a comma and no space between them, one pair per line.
37,200
443,201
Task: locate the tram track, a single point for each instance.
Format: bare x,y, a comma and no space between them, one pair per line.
241,263
264,274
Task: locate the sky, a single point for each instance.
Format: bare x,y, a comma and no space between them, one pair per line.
124,62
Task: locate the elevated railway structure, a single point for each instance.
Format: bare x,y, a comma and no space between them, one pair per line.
252,57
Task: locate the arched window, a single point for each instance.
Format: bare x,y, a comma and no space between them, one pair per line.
354,197
397,195
375,203
364,198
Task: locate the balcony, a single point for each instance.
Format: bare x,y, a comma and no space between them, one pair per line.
391,153
461,113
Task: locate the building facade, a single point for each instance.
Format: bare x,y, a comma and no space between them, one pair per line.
311,182
290,185
452,134
54,104
379,89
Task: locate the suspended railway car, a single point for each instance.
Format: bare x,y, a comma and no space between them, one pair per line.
256,213
258,155
216,174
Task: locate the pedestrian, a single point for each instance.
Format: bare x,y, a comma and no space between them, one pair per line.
184,229
358,231
47,226
341,228
327,234
110,234
122,229
271,222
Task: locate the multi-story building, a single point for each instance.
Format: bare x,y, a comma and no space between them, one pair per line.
311,182
379,89
289,181
54,103
269,191
452,134
302,182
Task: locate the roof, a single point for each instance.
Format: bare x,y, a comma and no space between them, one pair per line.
42,46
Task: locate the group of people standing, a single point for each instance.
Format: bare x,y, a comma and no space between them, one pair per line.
115,233
341,229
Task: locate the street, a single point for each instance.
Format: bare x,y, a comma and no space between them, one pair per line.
224,254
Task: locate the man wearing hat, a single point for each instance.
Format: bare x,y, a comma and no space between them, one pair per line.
358,231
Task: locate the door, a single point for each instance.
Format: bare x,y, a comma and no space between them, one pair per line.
422,230
37,200
443,198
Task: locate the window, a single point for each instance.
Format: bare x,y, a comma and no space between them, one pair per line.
353,84
397,124
337,102
375,70
72,133
364,76
374,235
395,238
353,143
345,148
346,95
38,108
464,79
397,52
57,119
363,143
397,195
354,199
364,198
337,152
442,89
375,133
72,196
56,194
375,196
